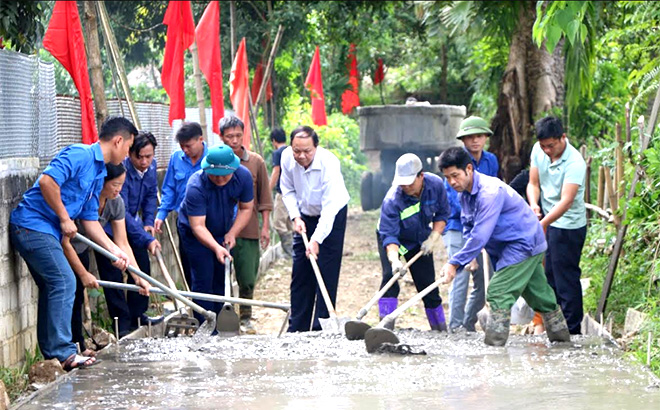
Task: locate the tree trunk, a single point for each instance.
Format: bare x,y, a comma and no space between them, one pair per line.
532,84
94,62
443,76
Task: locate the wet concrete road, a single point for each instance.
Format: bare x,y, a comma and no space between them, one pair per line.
322,371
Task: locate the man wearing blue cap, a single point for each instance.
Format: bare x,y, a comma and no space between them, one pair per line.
206,219
414,202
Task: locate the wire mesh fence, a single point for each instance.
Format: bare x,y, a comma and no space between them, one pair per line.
37,123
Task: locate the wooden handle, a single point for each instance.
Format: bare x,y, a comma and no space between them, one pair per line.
319,279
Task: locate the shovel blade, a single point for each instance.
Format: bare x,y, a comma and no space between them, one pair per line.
333,324
355,329
376,337
228,322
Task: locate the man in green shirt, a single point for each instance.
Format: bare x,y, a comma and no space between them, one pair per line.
557,177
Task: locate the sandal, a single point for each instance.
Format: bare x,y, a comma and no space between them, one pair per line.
76,361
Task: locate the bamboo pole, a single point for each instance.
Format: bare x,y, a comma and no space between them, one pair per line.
620,183
601,187
111,63
95,64
232,28
267,73
612,195
114,49
199,89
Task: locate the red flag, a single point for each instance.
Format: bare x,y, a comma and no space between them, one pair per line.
350,98
207,36
64,39
238,90
314,82
256,83
180,36
379,74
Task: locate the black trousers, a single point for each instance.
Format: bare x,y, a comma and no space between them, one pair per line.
422,272
304,287
127,308
562,267
185,262
76,316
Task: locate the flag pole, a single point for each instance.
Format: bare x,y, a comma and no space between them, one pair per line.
201,102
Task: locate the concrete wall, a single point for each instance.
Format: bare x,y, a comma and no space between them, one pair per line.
18,292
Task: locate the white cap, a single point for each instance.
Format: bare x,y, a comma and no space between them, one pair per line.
407,168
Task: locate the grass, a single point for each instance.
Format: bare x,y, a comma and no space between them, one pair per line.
16,378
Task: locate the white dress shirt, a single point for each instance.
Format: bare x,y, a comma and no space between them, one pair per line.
318,190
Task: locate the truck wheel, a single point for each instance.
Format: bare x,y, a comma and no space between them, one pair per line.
366,189
378,190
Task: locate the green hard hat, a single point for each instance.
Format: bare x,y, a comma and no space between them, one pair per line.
473,125
220,160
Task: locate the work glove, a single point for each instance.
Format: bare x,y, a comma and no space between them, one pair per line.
393,257
431,242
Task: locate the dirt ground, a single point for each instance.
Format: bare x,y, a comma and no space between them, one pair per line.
359,279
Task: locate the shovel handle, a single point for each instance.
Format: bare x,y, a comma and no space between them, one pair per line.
389,318
227,276
319,279
201,296
363,312
166,274
148,278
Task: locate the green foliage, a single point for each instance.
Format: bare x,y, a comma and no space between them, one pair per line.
20,26
16,379
341,136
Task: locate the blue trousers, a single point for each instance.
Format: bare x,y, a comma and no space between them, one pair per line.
422,272
463,314
304,287
562,267
207,273
55,279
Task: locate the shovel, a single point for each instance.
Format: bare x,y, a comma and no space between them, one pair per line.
355,329
333,323
482,315
228,323
205,330
379,335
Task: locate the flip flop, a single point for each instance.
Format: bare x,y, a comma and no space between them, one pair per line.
76,361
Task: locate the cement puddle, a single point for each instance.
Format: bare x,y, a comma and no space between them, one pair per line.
327,371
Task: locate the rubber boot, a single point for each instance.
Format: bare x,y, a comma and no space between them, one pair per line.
436,317
286,239
497,328
555,326
385,307
246,320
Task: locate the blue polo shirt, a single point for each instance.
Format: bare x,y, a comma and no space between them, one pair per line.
79,170
405,220
140,195
495,217
179,170
217,203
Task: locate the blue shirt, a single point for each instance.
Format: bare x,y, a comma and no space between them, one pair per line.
488,165
405,220
179,170
277,158
495,217
204,198
140,195
454,220
79,170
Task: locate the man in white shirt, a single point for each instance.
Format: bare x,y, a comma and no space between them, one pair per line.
316,198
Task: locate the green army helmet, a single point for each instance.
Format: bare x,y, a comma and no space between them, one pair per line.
473,125
220,160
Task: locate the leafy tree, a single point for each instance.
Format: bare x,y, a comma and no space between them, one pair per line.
20,26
